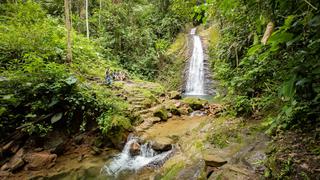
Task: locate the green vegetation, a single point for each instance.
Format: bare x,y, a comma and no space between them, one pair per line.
266,61
264,54
40,92
172,171
280,76
171,75
161,113
194,103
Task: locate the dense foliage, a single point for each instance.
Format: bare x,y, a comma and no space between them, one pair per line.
281,76
40,91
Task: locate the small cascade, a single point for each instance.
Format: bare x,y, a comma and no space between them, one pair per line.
195,77
125,161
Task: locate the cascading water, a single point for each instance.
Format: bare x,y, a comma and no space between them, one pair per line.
127,162
195,78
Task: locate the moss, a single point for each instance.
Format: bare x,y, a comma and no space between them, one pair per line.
199,145
161,113
173,109
225,130
171,75
194,103
175,95
172,171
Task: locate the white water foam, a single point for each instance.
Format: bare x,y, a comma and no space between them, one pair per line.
125,161
195,79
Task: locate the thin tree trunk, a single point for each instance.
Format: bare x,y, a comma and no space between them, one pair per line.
68,26
87,19
100,7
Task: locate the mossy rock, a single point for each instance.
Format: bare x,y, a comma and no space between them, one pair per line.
173,109
175,95
162,113
194,103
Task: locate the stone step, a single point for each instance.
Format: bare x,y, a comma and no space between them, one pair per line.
144,111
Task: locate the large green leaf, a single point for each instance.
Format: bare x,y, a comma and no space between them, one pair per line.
55,118
71,80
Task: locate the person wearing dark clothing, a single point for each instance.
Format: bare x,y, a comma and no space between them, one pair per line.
108,77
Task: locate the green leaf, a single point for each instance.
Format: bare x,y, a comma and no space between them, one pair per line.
8,96
71,80
31,115
56,118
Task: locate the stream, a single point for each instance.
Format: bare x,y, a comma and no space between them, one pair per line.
125,162
146,160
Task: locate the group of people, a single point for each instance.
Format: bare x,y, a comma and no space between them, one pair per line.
115,76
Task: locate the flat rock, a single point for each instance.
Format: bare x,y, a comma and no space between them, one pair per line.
153,120
162,144
213,160
15,162
192,172
39,160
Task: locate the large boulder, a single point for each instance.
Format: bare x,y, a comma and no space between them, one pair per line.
213,160
162,144
134,149
15,162
39,160
161,113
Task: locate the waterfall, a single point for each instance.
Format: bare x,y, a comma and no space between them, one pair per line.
126,162
195,78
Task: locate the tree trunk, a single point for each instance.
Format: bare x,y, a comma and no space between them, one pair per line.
87,19
68,27
100,8
267,33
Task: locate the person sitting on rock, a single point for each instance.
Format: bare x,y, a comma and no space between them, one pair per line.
108,77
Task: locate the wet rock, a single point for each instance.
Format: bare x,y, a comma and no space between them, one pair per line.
232,172
174,95
55,144
174,110
15,162
153,120
95,151
79,139
11,147
210,170
80,158
98,142
192,172
162,144
134,149
39,160
183,110
177,104
161,113
7,146
213,160
39,149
